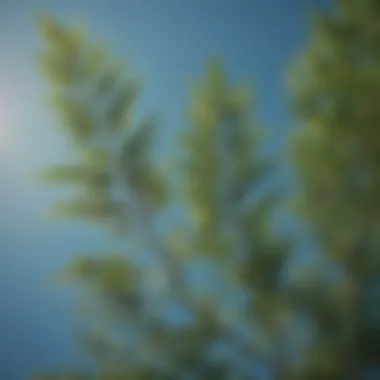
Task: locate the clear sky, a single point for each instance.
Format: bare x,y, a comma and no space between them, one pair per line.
167,42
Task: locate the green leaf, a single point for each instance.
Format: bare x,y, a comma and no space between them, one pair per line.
51,31
91,209
238,100
115,275
120,108
135,152
95,158
77,175
83,267
59,70
154,187
94,62
76,115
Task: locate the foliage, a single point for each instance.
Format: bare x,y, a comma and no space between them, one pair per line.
336,86
119,182
227,225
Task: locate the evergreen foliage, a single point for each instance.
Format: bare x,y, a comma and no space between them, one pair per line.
322,325
335,89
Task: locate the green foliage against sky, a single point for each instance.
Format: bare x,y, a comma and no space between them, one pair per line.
336,89
227,225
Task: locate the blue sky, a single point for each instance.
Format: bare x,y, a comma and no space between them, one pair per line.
167,42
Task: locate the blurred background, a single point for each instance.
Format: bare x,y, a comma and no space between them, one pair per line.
167,43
